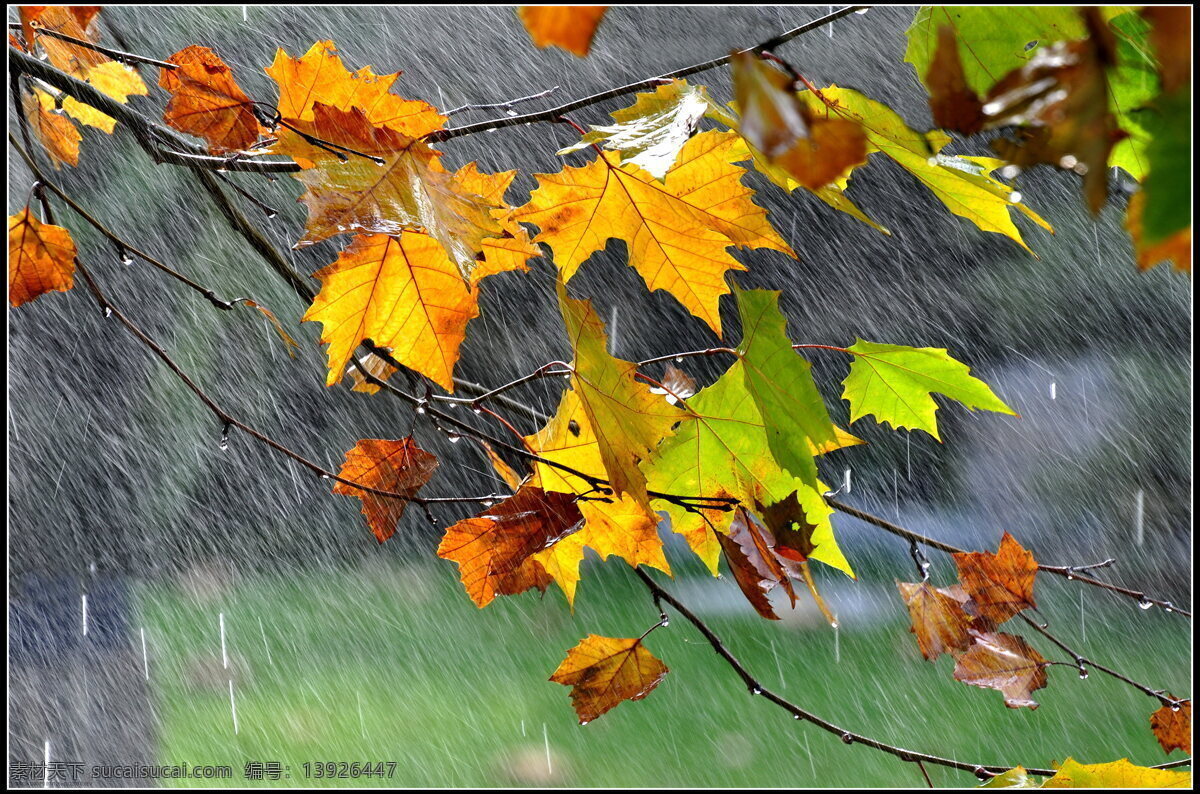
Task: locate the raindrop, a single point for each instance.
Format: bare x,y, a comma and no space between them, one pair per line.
847,738
1010,172
755,690
476,410
126,259
678,359
582,723
510,112
862,11
1145,603
107,312
991,108
454,437
1068,161
665,622
1083,673
1015,197
272,214
1175,707
1168,607
795,716
982,773
324,476
224,445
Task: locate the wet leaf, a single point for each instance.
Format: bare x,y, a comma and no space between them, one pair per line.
1116,774
954,105
74,21
938,620
678,230
377,366
207,102
569,27
1171,35
491,546
604,672
398,466
1173,727
896,384
676,385
1176,249
749,550
1000,585
41,258
57,134
403,294
1003,662
112,79
1016,777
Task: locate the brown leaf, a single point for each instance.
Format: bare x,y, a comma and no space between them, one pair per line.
1173,727
526,576
1000,584
955,106
207,102
791,528
41,258
395,466
73,21
495,543
603,672
938,619
569,27
677,385
748,548
1171,34
1004,662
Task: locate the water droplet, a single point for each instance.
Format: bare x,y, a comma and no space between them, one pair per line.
755,690
107,312
1068,161
1175,707
324,476
126,259
476,410
582,723
833,625
1070,577
1015,197
992,108
1010,172
847,738
982,773
862,11
678,359
1083,673
795,716
454,437
666,622
1145,603
510,112
224,445
272,214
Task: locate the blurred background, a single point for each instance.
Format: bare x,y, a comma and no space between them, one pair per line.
340,649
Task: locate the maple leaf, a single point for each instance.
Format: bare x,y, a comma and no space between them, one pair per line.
720,449
376,366
398,466
938,619
677,230
896,384
628,420
651,132
407,190
814,149
750,551
403,294
492,545
1000,585
207,102
73,21
963,184
112,79
1004,662
41,258
954,105
1172,727
319,76
569,27
780,381
676,385
603,672
512,249
52,128
1171,34
1116,774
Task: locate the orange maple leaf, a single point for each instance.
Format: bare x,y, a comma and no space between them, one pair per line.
207,102
398,466
1004,662
603,672
73,21
569,27
1001,584
678,230
403,294
1172,727
41,258
938,619
492,545
57,133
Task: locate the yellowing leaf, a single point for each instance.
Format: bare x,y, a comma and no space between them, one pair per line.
513,248
603,672
320,77
41,258
1000,585
395,466
895,383
207,102
1176,249
1004,662
56,132
677,230
938,619
73,21
403,294
1116,774
569,27
375,365
113,79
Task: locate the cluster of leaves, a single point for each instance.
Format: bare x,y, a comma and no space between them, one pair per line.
733,464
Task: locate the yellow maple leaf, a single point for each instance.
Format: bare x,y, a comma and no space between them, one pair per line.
41,258
112,79
677,230
402,293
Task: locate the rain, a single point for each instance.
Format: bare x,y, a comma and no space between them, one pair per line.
182,595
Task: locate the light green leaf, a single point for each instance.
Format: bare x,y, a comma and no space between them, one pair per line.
896,384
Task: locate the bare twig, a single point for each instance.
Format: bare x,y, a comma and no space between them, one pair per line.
501,105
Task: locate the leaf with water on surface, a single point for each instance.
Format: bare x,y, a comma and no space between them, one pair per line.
41,258
604,672
1003,662
1172,727
397,466
1000,585
1116,774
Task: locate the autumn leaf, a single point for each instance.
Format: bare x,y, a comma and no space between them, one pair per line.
569,27
1000,585
398,466
57,134
1116,774
1172,726
953,104
603,672
403,294
896,384
676,385
1171,35
628,420
73,21
1165,213
41,258
491,546
938,619
319,76
377,366
651,132
677,230
749,550
113,79
1176,249
816,149
207,102
512,249
1003,662
963,184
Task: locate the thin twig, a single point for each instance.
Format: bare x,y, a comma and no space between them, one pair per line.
501,105
116,55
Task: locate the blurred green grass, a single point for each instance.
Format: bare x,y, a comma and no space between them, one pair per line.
394,663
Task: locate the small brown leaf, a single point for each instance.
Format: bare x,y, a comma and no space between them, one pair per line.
1171,34
677,385
395,466
791,528
1176,249
494,544
569,27
603,672
1173,727
938,619
207,102
954,105
1004,662
41,258
756,569
1000,584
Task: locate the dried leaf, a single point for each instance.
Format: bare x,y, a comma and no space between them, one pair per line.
1000,585
377,366
954,105
603,672
398,466
749,550
1004,662
73,21
569,27
677,385
41,258
1173,727
938,619
207,102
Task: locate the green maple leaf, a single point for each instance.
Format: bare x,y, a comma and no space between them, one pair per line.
896,384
